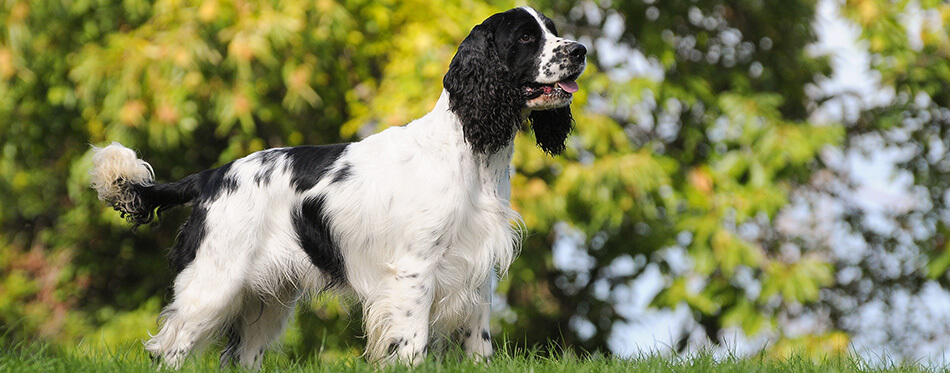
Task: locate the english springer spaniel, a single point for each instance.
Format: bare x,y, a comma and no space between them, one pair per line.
412,220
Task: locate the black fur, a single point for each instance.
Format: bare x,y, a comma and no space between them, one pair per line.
190,236
309,163
211,183
157,196
551,128
310,223
215,181
483,92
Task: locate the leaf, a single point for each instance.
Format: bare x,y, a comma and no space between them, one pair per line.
746,316
731,251
679,292
798,282
938,266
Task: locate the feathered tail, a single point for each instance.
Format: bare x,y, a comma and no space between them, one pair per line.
127,183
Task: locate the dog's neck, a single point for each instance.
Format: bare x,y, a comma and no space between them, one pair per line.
443,126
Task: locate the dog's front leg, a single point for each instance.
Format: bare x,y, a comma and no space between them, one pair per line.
397,319
474,336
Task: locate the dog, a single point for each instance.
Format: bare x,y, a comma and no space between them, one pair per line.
413,220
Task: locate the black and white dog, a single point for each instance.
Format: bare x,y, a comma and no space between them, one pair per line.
412,220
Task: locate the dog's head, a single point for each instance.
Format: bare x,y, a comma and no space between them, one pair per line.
513,63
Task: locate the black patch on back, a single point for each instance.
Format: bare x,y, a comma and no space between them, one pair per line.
216,181
309,163
344,173
313,232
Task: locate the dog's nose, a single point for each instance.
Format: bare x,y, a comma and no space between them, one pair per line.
577,51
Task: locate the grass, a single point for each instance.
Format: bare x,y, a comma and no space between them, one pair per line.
42,358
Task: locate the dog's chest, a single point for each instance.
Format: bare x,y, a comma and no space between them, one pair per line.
422,203
482,223
476,235
472,207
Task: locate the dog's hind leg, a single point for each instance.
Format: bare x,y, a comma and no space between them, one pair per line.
205,300
261,321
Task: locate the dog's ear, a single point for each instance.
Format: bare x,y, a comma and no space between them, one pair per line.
551,128
482,92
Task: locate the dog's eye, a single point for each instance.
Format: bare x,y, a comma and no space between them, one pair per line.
526,38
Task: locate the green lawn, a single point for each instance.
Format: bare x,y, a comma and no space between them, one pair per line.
39,358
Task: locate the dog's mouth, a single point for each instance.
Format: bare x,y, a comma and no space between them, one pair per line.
540,96
564,88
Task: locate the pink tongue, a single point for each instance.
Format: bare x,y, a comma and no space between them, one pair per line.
568,86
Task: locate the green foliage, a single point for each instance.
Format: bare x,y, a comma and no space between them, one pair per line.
681,161
909,46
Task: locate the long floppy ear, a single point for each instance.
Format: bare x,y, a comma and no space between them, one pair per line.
482,93
551,128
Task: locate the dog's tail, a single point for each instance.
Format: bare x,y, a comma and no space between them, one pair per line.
127,183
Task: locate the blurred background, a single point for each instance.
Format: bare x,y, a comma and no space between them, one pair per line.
745,175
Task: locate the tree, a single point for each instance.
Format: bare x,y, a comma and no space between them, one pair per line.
728,180
189,85
903,259
691,158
